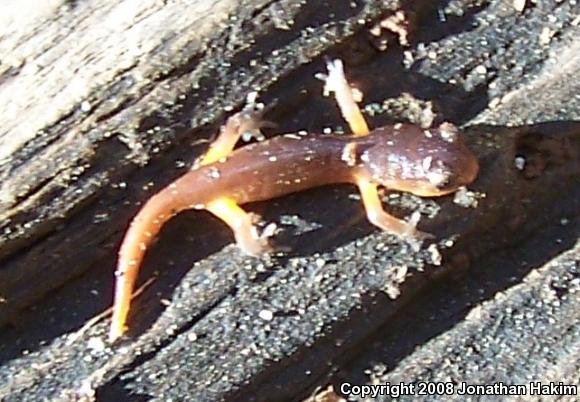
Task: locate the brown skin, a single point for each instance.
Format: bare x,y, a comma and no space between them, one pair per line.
401,157
427,163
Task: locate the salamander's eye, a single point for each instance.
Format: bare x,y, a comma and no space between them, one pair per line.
441,176
449,181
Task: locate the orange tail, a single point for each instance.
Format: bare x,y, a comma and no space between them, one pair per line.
148,222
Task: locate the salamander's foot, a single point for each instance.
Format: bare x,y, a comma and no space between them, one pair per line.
412,235
252,243
335,82
255,246
248,122
378,217
415,238
242,224
245,123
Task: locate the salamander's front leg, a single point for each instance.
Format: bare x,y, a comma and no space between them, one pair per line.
246,121
336,82
241,224
378,217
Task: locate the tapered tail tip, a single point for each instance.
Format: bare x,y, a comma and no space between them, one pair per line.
116,331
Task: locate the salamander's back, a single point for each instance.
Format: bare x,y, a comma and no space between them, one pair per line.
275,167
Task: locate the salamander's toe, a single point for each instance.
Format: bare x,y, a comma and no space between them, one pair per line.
256,247
250,241
416,238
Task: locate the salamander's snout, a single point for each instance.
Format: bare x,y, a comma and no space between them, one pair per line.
446,177
449,164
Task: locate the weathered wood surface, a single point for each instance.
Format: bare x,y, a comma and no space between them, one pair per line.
115,87
527,332
108,96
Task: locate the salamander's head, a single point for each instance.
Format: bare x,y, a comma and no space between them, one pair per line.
427,163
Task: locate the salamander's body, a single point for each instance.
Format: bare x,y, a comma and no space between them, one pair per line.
271,168
401,157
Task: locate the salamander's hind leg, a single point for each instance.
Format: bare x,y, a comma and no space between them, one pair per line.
378,217
240,222
336,82
249,120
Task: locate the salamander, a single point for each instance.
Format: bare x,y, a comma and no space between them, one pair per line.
401,157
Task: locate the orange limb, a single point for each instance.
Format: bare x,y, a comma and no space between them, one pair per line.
226,209
246,121
336,82
241,224
378,217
